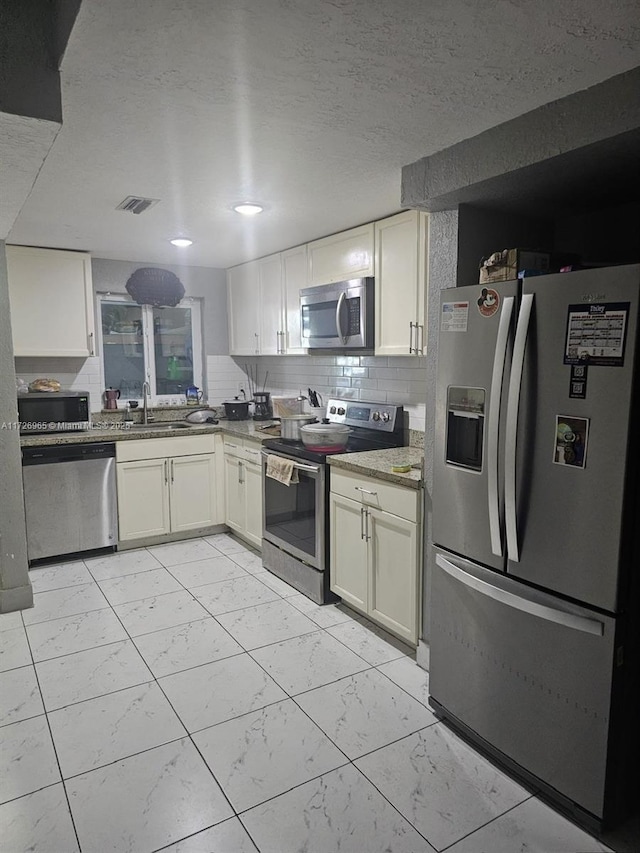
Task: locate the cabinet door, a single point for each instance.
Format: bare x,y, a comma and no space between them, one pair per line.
348,254
349,572
294,277
253,502
393,567
401,258
243,293
143,498
235,515
51,299
192,491
271,321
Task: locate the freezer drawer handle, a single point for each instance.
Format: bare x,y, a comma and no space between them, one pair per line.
493,427
513,405
550,614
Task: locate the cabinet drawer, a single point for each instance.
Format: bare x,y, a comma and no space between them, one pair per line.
157,448
376,493
252,452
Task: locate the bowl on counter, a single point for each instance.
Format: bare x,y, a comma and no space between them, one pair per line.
325,438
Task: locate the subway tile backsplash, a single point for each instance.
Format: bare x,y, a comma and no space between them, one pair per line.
397,380
400,380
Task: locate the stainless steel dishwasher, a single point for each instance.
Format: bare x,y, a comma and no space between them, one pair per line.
70,498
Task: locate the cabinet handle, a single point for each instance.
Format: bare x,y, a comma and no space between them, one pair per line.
363,512
166,471
240,471
420,349
410,338
91,347
366,526
365,491
257,337
172,470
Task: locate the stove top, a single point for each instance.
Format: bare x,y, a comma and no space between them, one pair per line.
374,426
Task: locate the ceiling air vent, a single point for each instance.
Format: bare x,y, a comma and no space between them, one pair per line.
136,204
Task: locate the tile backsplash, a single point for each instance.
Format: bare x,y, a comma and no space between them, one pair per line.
400,380
376,379
74,374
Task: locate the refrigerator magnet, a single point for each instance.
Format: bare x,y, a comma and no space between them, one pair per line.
488,301
570,441
454,317
596,334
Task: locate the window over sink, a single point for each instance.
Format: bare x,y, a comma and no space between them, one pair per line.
162,345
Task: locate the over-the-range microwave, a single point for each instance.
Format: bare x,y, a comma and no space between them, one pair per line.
53,411
339,315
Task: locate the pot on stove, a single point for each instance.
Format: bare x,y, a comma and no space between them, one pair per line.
290,426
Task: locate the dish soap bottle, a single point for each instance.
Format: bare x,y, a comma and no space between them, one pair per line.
173,368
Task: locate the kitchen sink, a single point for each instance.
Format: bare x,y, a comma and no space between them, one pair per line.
166,427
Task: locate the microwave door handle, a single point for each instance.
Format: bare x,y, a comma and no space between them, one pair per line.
341,299
493,426
513,405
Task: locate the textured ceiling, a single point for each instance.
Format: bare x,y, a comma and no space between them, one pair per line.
310,107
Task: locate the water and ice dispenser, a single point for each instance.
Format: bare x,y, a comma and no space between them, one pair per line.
465,426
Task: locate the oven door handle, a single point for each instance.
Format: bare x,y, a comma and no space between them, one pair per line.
297,465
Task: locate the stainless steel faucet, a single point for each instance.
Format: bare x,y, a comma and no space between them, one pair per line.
146,393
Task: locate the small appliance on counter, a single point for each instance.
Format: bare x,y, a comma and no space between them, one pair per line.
262,410
111,397
236,409
193,395
46,411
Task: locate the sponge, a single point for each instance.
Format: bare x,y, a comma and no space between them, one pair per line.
401,469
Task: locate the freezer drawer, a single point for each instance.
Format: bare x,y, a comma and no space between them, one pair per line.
525,671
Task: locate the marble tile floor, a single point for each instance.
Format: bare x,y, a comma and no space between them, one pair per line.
180,698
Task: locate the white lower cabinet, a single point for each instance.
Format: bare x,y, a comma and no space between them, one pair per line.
168,485
375,559
243,485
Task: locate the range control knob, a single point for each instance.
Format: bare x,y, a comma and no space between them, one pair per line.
386,417
376,416
341,411
332,410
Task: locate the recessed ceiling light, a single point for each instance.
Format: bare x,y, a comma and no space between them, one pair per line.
181,242
248,208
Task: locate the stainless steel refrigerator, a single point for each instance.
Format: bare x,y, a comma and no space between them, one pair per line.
536,531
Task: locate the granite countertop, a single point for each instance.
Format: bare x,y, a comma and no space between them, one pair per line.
123,432
378,464
374,463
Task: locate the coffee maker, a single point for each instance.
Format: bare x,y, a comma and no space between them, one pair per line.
262,410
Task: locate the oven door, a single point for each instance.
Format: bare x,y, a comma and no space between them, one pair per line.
294,516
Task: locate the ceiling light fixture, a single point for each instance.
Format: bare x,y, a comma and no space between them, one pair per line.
181,242
247,208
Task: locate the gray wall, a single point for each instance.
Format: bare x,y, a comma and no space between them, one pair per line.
15,588
204,283
443,260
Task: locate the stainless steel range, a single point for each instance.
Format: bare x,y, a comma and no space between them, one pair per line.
295,517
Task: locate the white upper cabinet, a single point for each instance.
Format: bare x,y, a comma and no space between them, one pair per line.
294,277
342,256
264,304
401,248
271,310
51,298
243,287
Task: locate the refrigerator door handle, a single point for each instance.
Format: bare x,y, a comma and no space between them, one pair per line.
493,426
513,405
533,608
